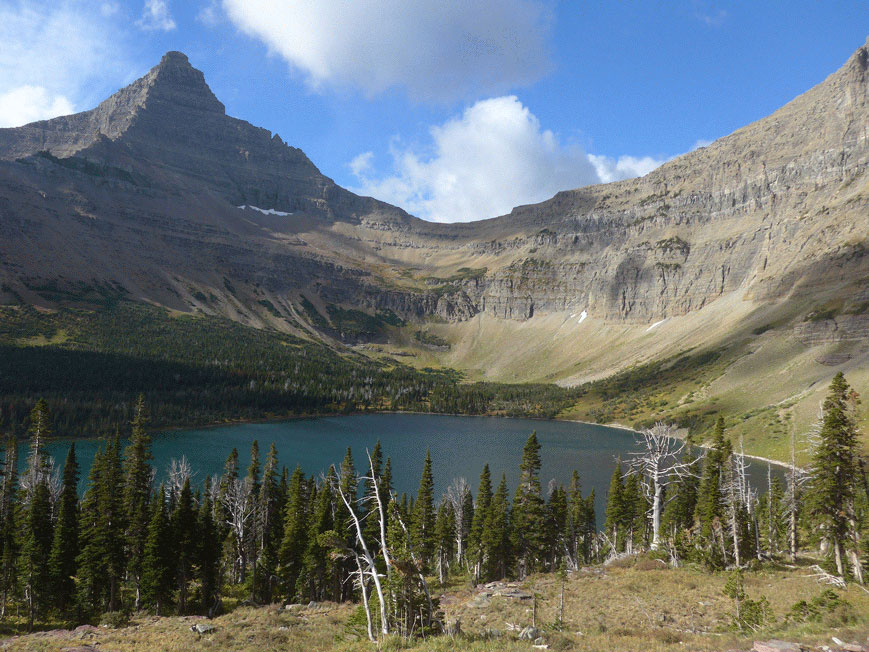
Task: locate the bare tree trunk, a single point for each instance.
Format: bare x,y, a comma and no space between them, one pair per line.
369,560
656,513
365,604
854,535
384,550
770,510
793,501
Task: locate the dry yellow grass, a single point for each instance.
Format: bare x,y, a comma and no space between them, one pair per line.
637,606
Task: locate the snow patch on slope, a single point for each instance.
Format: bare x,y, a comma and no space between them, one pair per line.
582,317
265,211
656,324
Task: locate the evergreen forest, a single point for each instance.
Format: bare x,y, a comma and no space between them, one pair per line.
262,533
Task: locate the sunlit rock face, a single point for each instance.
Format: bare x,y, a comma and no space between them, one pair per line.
160,196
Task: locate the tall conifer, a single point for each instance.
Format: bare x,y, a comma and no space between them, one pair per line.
8,524
710,501
184,535
137,491
423,523
157,563
294,541
616,509
528,515
65,546
35,551
481,511
835,478
495,539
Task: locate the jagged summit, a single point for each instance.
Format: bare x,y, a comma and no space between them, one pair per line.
179,84
168,129
174,57
173,90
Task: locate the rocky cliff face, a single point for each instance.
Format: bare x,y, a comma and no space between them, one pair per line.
158,192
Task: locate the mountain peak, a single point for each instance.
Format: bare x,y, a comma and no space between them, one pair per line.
174,57
175,82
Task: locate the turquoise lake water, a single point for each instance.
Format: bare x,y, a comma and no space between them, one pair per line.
459,448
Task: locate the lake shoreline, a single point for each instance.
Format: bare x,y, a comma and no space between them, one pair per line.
327,415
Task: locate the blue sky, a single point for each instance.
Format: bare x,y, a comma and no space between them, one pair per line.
454,110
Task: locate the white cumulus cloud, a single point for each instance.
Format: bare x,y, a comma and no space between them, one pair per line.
438,50
624,167
156,16
493,157
51,53
25,104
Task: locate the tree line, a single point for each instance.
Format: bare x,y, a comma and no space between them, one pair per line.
702,508
263,534
203,370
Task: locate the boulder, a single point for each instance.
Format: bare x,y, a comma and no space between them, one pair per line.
202,629
777,646
529,634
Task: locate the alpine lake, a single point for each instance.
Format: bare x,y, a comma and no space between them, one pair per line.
459,447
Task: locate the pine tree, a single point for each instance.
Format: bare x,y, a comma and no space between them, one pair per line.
35,550
590,550
316,574
556,518
495,539
112,516
372,518
8,523
208,552
157,562
422,530
349,483
65,545
467,523
184,535
386,479
574,523
710,501
635,506
528,515
679,512
294,542
404,594
227,478
445,525
39,464
91,561
481,511
269,528
253,470
774,513
137,491
101,560
836,476
616,510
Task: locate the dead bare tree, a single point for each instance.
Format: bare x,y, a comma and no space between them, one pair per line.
739,500
239,509
457,494
658,465
178,473
368,565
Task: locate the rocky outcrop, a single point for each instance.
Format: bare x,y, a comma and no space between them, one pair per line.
143,192
842,328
